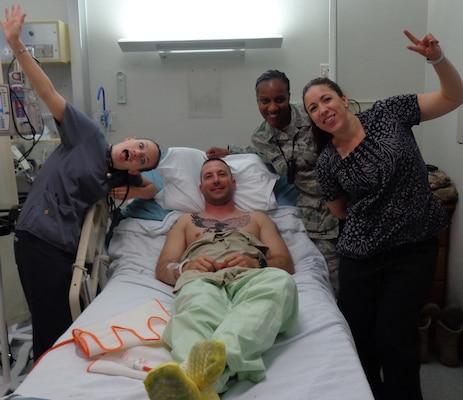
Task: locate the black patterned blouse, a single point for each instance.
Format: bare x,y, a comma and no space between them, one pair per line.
385,182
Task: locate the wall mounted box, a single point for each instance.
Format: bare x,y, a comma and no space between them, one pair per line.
49,39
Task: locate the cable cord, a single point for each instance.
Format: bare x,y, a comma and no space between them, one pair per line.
112,204
14,98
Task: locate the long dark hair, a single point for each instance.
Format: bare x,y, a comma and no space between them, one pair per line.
321,137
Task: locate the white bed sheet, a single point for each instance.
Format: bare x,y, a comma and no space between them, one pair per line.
317,360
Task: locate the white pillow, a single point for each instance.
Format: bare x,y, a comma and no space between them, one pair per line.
181,168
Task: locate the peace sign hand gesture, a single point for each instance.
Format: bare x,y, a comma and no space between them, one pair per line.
428,46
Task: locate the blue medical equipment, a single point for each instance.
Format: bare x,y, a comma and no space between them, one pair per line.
104,115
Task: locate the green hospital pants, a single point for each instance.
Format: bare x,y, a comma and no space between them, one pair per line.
246,315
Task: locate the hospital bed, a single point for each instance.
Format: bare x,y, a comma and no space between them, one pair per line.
101,354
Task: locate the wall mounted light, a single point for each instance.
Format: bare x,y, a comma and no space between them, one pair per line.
228,48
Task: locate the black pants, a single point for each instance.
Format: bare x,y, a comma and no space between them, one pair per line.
381,298
45,273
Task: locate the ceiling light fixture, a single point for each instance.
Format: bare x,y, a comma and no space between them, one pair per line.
228,48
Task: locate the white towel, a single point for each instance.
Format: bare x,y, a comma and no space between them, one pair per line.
142,325
134,362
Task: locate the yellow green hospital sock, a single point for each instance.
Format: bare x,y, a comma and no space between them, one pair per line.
168,381
206,362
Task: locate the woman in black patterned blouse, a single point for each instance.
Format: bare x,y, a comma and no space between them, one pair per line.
373,176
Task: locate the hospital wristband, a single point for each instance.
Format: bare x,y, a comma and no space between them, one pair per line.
437,60
179,266
18,52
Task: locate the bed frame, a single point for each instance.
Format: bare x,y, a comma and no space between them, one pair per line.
91,260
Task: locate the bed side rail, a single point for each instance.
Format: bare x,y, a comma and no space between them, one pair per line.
91,252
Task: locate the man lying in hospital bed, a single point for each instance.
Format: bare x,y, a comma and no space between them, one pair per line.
217,262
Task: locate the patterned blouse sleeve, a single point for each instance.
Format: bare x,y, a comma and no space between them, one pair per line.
326,176
403,108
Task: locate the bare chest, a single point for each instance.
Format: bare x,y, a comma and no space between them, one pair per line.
201,226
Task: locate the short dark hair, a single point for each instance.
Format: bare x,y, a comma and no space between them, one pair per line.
214,159
321,137
273,74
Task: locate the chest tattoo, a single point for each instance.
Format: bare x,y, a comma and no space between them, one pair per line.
211,225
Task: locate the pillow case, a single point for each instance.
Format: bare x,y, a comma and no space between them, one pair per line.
147,209
285,193
181,169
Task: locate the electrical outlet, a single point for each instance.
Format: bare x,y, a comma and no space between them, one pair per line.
324,70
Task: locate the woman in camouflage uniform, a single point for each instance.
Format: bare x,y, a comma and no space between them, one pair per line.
285,143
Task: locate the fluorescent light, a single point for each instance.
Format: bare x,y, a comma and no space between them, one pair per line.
215,48
225,54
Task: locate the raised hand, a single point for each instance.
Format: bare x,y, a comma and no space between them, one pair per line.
12,25
428,46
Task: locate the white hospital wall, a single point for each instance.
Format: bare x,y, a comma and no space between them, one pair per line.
157,92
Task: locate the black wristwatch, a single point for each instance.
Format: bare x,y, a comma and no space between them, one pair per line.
262,262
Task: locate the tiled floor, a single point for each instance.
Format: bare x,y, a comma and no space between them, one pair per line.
440,382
